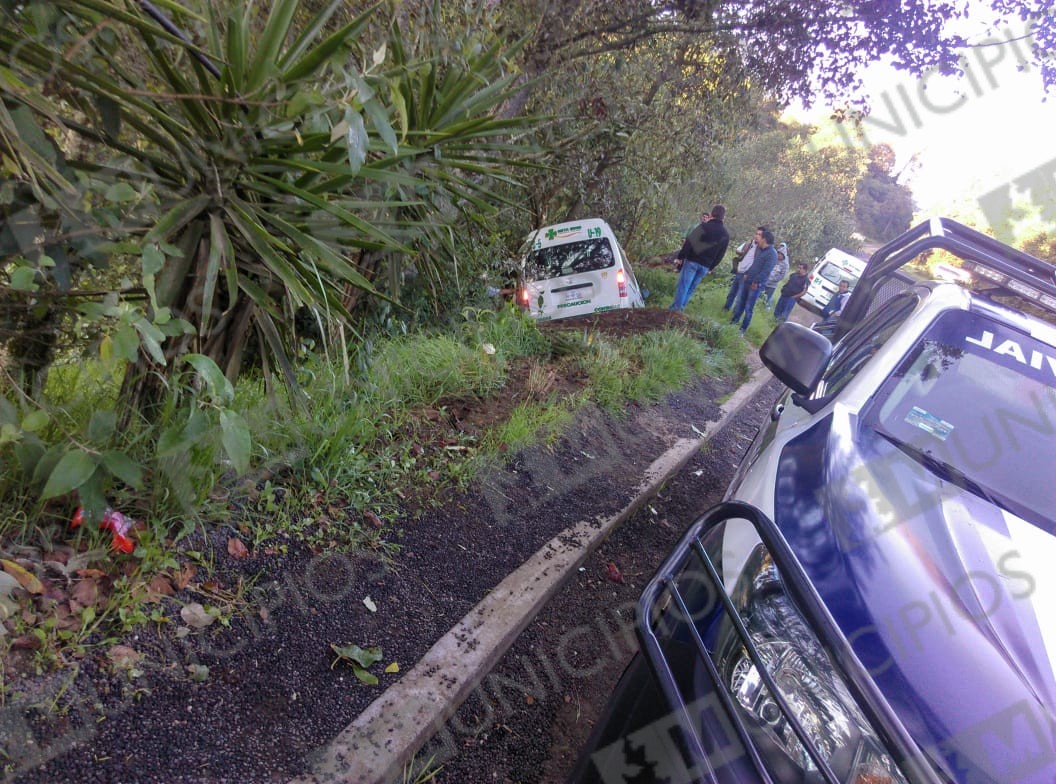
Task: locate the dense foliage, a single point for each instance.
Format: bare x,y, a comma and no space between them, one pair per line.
883,207
240,190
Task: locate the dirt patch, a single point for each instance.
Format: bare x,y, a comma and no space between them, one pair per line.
528,380
622,323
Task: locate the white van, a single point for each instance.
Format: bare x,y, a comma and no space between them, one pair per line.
576,268
834,266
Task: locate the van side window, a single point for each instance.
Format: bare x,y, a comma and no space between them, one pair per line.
859,345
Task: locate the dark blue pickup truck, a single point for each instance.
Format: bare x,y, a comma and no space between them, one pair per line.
875,602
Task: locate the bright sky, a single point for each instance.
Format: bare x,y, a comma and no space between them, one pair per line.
982,140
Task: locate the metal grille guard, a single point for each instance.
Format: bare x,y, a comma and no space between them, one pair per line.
1015,271
690,551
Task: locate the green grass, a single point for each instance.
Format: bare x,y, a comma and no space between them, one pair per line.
419,371
528,423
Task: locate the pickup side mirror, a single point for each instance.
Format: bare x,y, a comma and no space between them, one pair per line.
796,355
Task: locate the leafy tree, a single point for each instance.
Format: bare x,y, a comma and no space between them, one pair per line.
1042,245
618,129
794,49
804,194
883,208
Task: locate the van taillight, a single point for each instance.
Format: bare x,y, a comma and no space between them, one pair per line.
621,282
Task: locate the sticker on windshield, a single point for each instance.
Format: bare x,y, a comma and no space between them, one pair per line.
929,423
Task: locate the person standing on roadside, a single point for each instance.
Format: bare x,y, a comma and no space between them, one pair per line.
834,307
742,264
700,254
794,288
780,270
755,278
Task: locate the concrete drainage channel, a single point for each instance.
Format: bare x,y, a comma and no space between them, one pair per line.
375,748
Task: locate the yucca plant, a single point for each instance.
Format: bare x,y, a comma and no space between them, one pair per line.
262,163
243,163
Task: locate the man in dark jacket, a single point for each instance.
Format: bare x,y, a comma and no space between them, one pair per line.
755,278
792,291
700,254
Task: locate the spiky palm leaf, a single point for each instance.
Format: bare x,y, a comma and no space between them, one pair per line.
263,162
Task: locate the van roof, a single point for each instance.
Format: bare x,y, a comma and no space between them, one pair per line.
570,231
849,259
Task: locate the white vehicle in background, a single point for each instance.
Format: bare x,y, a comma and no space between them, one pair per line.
834,266
576,268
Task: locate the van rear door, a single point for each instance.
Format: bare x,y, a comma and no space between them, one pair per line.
569,279
827,274
576,268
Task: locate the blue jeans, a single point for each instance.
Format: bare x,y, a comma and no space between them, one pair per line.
689,277
783,309
768,295
746,305
735,290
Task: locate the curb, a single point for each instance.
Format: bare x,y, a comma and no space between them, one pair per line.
376,747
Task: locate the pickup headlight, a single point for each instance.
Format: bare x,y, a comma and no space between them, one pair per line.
809,685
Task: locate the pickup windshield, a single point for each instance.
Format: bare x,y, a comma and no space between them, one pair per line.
976,402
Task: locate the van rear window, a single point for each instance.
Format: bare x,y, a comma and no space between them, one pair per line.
832,273
555,261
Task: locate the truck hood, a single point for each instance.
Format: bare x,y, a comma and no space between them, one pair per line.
948,600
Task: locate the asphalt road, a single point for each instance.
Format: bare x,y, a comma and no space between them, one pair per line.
528,719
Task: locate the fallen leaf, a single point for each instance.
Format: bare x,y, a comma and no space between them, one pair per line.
8,604
26,579
86,593
364,657
529,699
394,667
183,578
613,573
373,519
434,475
369,604
123,656
67,618
364,676
195,615
199,672
90,573
160,585
236,548
27,642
